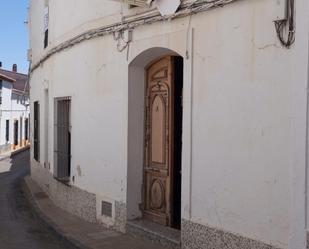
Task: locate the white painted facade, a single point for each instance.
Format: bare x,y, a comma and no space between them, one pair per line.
244,155
14,107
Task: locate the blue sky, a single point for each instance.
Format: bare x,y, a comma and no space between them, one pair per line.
14,34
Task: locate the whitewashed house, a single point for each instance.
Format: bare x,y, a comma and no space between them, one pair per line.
186,117
14,110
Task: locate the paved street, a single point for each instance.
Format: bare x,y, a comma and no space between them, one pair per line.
19,226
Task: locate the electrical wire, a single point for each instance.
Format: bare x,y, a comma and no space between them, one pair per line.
183,11
287,26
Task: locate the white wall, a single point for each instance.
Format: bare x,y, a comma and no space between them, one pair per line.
36,27
77,20
66,20
5,110
244,102
19,111
13,107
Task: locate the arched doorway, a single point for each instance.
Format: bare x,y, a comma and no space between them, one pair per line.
155,140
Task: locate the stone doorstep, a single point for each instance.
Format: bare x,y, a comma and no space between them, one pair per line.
166,236
81,234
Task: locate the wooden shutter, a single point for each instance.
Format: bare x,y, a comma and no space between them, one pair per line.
36,133
16,132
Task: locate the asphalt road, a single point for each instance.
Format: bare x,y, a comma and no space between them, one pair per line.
20,228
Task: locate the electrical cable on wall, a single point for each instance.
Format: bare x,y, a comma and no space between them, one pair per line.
286,27
122,43
184,10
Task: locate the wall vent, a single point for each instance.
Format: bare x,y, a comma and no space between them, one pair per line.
107,208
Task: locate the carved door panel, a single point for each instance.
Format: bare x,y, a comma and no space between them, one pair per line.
158,142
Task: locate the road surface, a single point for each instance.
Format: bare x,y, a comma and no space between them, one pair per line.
20,228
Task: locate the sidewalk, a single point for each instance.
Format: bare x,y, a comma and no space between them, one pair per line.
80,233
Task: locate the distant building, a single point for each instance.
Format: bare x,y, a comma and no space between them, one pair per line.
14,110
175,117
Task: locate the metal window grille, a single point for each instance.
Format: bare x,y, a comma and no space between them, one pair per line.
63,139
7,130
36,131
106,209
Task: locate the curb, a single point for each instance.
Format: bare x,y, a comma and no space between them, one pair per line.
15,152
53,227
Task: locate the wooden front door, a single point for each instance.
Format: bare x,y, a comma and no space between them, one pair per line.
15,133
158,170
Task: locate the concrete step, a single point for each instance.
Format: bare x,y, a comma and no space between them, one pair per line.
166,236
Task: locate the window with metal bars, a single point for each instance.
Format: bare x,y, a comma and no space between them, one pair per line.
63,139
36,131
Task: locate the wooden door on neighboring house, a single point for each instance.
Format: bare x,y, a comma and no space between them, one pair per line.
21,132
158,156
15,133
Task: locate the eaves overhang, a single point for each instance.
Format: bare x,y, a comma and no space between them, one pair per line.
3,77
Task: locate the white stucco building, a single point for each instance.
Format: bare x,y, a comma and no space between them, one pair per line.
14,109
196,120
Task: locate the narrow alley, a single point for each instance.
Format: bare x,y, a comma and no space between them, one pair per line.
19,226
